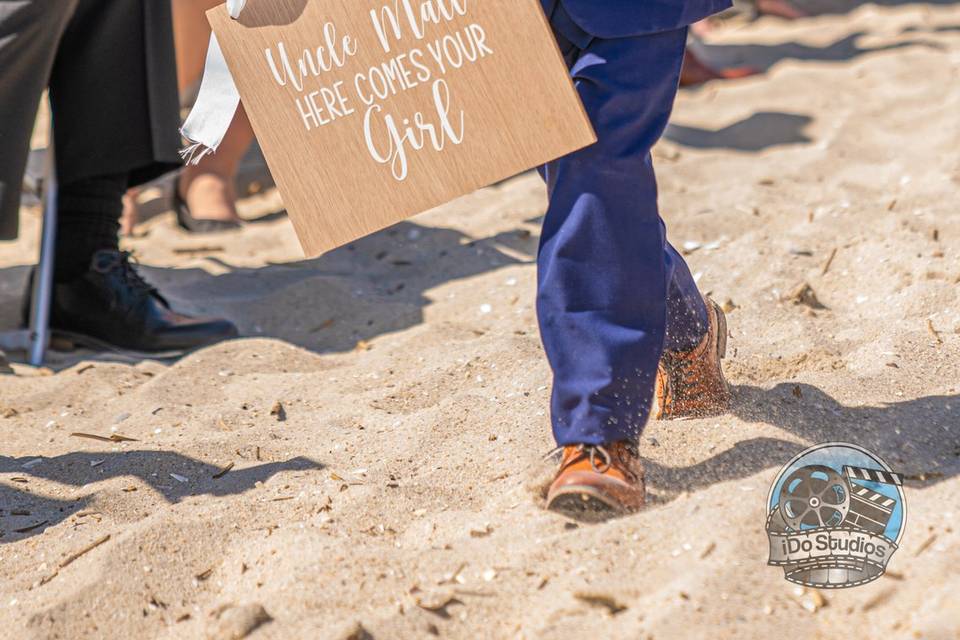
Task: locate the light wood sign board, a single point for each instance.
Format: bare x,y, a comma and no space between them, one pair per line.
370,111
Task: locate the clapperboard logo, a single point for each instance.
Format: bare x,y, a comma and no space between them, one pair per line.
869,509
835,516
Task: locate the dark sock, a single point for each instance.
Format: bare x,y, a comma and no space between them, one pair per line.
88,220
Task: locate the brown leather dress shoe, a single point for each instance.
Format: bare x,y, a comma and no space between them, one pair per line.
690,384
596,483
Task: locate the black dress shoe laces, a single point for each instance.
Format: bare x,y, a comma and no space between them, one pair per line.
124,265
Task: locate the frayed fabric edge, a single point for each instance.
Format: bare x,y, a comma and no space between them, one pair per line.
193,153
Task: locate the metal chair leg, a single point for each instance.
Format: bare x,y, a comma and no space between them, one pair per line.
43,277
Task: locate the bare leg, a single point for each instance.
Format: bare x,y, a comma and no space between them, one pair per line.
696,71
191,32
131,212
702,29
207,187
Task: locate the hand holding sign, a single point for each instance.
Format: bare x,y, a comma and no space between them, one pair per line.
370,111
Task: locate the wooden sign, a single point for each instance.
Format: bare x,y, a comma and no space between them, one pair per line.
370,111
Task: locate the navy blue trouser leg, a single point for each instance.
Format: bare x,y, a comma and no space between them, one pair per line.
612,293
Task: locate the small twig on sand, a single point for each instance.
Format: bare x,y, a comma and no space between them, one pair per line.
186,251
73,556
933,331
87,549
116,437
926,544
826,266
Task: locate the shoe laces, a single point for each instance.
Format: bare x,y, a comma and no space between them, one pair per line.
595,451
124,264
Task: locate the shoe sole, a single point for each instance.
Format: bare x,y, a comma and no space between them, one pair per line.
721,318
95,344
585,504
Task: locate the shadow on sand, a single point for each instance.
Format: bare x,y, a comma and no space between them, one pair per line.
759,132
23,513
374,286
918,438
765,56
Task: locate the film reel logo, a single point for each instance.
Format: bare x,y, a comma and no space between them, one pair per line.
835,516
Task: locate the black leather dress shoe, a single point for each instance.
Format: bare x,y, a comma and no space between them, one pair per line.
112,306
4,365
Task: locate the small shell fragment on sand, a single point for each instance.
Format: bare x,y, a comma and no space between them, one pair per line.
813,601
278,411
31,527
436,601
354,631
601,600
179,478
31,463
454,576
237,622
803,294
222,472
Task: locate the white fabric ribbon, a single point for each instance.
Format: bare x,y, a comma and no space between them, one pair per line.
216,104
235,7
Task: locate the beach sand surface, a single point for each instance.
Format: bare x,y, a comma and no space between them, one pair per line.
384,418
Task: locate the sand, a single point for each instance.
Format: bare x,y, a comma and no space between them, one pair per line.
403,490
